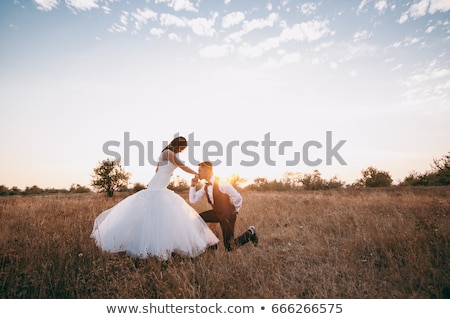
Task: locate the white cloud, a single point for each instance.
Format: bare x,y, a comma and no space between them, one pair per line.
174,37
423,7
410,41
124,18
270,43
308,8
46,5
419,9
429,74
381,6
106,9
323,46
435,94
179,5
361,6
261,23
203,26
82,5
343,52
254,51
168,20
122,27
361,50
232,19
307,31
403,18
200,26
117,28
249,26
397,44
156,32
430,84
142,16
439,5
361,35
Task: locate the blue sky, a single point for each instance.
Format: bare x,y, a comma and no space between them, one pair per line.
76,74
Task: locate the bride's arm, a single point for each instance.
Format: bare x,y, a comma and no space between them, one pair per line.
176,161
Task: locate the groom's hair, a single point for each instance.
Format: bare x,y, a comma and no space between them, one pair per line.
206,164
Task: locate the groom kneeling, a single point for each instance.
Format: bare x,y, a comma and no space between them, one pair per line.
225,201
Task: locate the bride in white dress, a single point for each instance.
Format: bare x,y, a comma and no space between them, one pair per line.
155,221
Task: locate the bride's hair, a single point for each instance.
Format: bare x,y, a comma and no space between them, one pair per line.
177,142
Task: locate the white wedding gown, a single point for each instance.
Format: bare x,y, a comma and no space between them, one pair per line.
153,222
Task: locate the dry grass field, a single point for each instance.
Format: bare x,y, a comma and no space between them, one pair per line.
368,243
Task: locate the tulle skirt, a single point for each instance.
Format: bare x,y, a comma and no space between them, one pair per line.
153,222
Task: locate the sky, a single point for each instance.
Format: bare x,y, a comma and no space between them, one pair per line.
260,88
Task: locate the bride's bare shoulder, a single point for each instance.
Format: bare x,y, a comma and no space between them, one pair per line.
166,155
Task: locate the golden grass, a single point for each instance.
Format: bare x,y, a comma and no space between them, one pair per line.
383,243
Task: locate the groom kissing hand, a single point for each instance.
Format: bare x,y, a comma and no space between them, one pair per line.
226,203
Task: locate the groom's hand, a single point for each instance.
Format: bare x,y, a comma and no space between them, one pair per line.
194,181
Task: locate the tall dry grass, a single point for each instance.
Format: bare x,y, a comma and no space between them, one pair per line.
390,243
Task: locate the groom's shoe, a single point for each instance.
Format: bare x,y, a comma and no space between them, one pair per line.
253,236
212,247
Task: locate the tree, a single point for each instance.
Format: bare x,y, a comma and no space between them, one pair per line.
439,174
109,176
441,170
415,179
15,191
442,164
33,190
178,184
263,184
138,187
79,189
373,177
4,190
236,180
313,181
292,180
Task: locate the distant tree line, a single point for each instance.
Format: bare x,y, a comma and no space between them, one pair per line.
74,189
295,181
109,177
438,175
36,190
